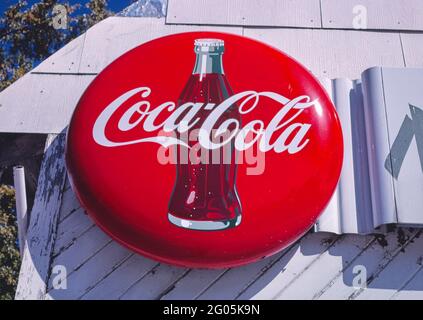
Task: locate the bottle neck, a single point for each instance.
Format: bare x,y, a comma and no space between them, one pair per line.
208,63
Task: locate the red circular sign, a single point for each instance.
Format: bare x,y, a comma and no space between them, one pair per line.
204,150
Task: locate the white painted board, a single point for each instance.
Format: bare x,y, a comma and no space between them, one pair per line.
376,14
334,53
412,44
286,13
41,103
114,36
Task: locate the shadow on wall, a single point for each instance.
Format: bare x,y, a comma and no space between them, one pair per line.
327,266
320,265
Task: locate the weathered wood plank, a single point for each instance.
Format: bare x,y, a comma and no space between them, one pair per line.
193,284
112,37
335,53
291,265
67,186
70,204
380,14
341,285
288,13
91,272
120,280
235,280
43,224
412,289
71,229
397,272
81,249
46,105
155,283
374,259
337,257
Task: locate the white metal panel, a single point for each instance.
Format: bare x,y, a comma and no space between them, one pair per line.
382,191
286,13
329,219
412,44
40,103
380,14
335,53
402,88
347,218
360,210
350,208
113,36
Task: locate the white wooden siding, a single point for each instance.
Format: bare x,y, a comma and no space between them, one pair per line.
335,53
114,36
289,13
380,14
41,103
332,14
412,44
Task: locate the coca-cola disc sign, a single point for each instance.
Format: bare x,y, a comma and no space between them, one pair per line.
204,149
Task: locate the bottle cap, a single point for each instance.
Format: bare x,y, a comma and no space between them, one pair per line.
209,45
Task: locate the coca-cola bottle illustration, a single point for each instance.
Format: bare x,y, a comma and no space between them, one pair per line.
204,195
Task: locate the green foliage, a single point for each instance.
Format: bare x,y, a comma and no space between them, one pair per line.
27,35
9,253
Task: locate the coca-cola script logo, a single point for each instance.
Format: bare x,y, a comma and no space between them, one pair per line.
204,149
291,135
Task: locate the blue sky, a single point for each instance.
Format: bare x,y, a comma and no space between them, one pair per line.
114,5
